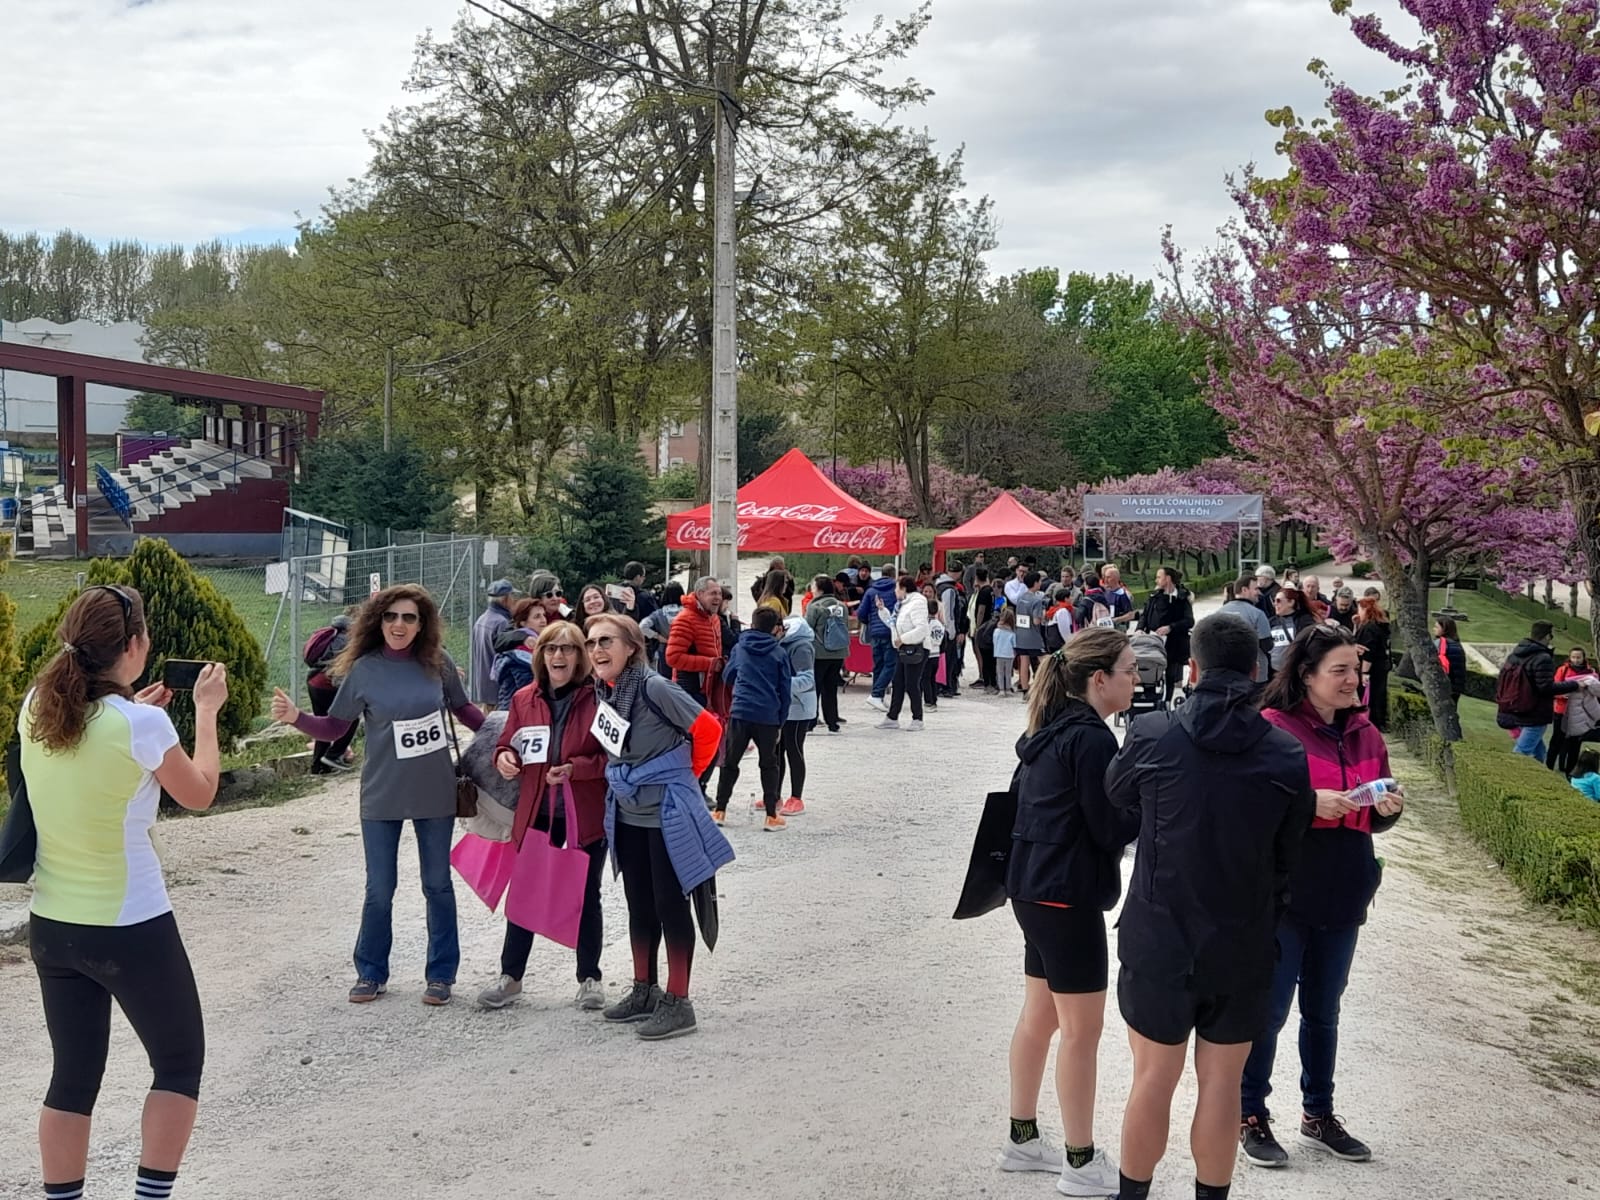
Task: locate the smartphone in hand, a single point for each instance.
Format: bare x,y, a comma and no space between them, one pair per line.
181,674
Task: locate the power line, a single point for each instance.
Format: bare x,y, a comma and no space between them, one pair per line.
587,267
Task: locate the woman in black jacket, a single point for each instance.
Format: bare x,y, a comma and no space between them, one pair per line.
1452,656
1063,876
1372,635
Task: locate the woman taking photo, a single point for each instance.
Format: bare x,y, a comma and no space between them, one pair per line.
396,677
1316,698
1372,636
592,602
657,742
908,629
96,758
548,742
1063,876
1291,614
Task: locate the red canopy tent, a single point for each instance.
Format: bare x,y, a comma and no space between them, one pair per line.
793,507
1006,522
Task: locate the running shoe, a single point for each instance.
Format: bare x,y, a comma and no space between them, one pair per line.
638,1004
1328,1133
1031,1155
915,727
507,991
887,723
792,807
773,824
1097,1177
758,806
719,815
366,991
878,702
591,995
436,994
673,1017
1261,1149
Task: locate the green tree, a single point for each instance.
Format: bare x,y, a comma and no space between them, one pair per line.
1150,411
11,678
353,479
151,412
604,514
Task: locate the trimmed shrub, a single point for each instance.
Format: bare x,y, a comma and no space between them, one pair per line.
1534,823
1362,569
10,670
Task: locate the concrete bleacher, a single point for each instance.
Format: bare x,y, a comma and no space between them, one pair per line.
157,485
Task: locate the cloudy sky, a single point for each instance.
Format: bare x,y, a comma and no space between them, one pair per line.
1092,123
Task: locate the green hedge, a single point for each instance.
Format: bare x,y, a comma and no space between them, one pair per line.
1544,832
1535,610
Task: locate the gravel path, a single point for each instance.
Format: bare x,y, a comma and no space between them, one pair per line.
853,1038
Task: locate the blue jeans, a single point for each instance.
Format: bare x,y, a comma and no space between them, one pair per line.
1530,741
1317,961
381,841
884,659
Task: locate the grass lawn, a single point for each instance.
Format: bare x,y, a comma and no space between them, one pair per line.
1488,621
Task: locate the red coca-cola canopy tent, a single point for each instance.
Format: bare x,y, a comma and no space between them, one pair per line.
793,507
1007,522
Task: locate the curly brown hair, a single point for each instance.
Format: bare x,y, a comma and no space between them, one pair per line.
95,633
366,631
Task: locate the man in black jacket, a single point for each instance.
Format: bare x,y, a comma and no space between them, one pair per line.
1223,799
1169,612
1526,692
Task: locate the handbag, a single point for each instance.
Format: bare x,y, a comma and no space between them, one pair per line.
493,820
19,838
984,888
548,881
485,866
466,790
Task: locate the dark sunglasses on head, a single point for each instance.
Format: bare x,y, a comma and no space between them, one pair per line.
405,618
125,602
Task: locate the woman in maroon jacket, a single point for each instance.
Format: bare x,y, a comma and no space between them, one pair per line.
547,741
1315,696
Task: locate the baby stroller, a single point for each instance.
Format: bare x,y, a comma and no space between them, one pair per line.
1150,653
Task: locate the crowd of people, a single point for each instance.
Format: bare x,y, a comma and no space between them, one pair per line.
1252,780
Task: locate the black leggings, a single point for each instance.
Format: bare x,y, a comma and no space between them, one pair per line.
591,924
830,671
792,762
907,682
657,907
144,967
737,740
321,702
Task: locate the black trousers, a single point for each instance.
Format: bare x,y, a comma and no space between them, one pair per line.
591,925
735,742
907,681
321,702
657,908
930,681
987,676
792,762
952,667
830,673
145,969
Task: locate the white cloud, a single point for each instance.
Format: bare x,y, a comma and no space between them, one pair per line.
1092,123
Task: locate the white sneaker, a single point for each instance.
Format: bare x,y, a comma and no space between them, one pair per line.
888,723
501,994
591,995
915,727
878,702
1097,1177
1032,1155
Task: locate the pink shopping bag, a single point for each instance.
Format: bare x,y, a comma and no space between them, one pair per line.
548,882
485,865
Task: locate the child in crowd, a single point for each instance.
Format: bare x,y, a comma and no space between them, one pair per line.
1586,777
1005,649
936,636
758,670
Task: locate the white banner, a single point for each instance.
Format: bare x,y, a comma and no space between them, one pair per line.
1177,510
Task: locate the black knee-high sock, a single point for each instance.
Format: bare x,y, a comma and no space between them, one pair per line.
64,1191
1132,1189
152,1184
1211,1191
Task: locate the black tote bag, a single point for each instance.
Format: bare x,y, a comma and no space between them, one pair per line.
985,887
19,840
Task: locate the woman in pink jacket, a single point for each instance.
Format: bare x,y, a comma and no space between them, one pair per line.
1315,696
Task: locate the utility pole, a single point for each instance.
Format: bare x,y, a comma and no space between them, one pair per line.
388,398
724,347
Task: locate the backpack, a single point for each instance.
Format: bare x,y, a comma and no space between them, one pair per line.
1514,692
1053,637
835,637
320,648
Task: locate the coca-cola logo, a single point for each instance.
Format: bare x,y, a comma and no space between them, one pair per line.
864,537
701,534
791,512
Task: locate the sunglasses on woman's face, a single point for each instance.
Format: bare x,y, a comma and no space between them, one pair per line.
563,648
601,643
405,618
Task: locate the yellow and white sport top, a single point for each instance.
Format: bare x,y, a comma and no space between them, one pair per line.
95,806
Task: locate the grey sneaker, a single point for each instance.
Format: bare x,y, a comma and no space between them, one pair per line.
887,723
507,991
436,994
336,764
366,991
639,1003
1032,1155
591,995
673,1017
914,727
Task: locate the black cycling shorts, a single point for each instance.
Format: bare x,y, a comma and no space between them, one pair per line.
1168,1011
1066,947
